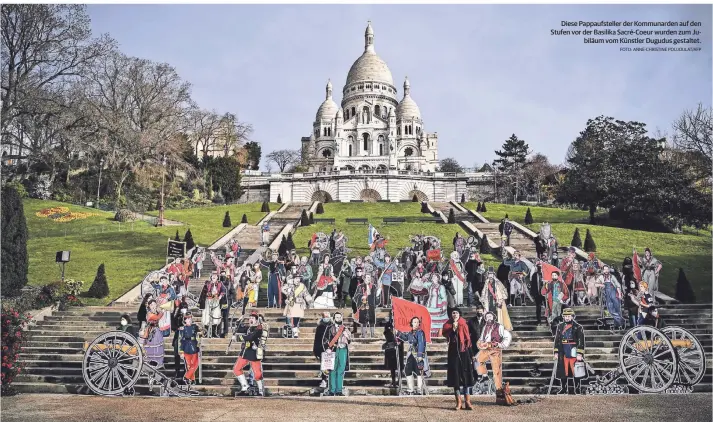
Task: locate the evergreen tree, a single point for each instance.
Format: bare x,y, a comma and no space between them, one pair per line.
415,198
684,291
290,242
485,245
244,219
282,249
265,207
506,216
311,218
424,208
589,245
304,219
462,198
576,240
188,238
451,217
483,209
480,207
15,260
279,198
528,216
226,220
320,208
511,161
100,286
177,238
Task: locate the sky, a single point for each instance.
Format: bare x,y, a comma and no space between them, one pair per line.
479,73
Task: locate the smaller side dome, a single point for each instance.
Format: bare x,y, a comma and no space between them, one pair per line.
408,108
328,109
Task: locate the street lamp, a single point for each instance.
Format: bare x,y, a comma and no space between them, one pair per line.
99,185
163,179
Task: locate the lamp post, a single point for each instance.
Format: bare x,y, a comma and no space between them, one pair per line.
99,185
163,180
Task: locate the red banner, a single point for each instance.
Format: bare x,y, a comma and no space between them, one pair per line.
637,269
405,310
547,270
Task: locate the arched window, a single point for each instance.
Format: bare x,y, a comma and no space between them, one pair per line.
316,132
346,114
350,149
353,112
398,130
329,131
326,153
366,142
408,152
381,149
324,131
377,111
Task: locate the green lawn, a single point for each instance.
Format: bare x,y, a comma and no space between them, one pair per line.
206,223
692,252
496,212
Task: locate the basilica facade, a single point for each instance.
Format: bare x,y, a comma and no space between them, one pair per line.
372,130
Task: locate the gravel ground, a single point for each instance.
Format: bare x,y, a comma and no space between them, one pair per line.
76,408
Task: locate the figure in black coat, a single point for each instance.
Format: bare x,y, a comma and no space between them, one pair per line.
502,275
318,346
475,326
536,283
176,322
392,352
473,277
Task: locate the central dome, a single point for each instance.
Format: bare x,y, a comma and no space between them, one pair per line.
369,66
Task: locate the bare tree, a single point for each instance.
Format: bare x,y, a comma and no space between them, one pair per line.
537,169
283,158
203,127
692,135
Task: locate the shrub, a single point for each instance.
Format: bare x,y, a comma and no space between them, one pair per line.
415,198
19,187
320,208
483,208
100,286
485,245
244,219
124,216
14,338
14,256
265,207
507,216
528,216
49,294
462,198
311,218
589,245
40,187
73,287
451,217
226,220
279,199
218,198
576,239
282,249
290,242
177,238
304,219
196,195
479,208
424,208
684,292
188,238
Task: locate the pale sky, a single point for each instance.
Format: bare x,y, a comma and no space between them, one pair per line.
479,73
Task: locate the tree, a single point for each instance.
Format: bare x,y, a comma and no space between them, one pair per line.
485,245
244,219
226,220
462,198
450,165
204,128
304,219
692,134
483,208
15,260
283,158
100,286
512,158
589,245
451,217
479,208
265,207
576,239
507,216
528,216
536,170
177,238
282,249
290,242
279,199
188,238
424,208
320,208
684,291
253,152
311,218
225,172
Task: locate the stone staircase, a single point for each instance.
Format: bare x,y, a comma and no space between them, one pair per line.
53,356
517,240
445,208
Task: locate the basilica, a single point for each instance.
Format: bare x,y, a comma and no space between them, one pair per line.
372,130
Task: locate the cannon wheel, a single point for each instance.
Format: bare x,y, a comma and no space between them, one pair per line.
691,361
648,359
112,363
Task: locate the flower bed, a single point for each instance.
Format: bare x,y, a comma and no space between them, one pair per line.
14,338
63,214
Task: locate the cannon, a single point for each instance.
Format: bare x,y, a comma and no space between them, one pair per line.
670,360
114,362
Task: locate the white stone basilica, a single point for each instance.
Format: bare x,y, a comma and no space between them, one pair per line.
371,130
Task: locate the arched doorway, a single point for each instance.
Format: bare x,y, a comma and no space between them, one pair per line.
422,197
321,196
369,195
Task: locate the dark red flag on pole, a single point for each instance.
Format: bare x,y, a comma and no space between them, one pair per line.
404,311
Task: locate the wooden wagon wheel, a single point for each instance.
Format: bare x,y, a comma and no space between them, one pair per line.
112,363
691,357
648,359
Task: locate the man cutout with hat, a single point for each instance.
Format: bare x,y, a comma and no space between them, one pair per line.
568,351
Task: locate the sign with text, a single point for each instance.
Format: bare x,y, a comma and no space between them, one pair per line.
404,311
176,249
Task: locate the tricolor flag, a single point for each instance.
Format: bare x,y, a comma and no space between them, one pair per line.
372,235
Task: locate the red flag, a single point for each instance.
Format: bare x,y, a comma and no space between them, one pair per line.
637,269
404,311
547,270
